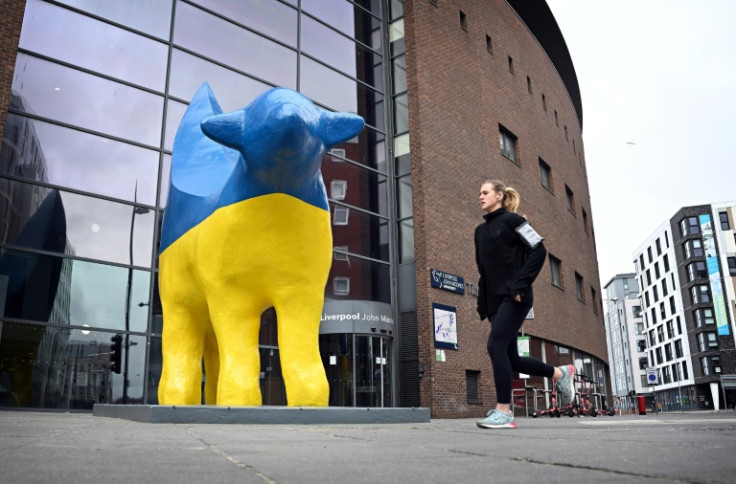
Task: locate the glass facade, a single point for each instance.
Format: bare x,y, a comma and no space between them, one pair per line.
98,91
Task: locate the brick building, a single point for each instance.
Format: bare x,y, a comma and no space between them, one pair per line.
453,93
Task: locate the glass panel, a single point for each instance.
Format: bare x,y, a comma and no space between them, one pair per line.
365,189
401,114
339,93
48,153
66,223
267,16
369,281
406,241
337,358
340,52
62,34
65,291
404,196
174,114
64,368
232,90
347,18
58,92
165,181
255,55
152,17
399,74
364,234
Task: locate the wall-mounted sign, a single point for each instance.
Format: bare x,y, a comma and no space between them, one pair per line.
446,281
445,326
652,377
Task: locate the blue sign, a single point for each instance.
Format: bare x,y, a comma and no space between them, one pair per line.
448,282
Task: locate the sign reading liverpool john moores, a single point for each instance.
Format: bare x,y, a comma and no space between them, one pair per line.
356,316
447,281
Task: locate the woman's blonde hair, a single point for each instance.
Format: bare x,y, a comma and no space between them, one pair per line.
511,197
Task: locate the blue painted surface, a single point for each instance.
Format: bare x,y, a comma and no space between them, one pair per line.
273,145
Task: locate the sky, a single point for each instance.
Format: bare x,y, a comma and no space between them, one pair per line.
658,85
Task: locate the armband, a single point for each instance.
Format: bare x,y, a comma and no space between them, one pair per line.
529,235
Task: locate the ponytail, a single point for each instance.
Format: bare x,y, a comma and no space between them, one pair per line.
511,197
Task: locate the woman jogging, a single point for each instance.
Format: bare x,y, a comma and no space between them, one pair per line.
510,254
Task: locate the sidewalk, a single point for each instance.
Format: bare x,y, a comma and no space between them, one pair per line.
689,447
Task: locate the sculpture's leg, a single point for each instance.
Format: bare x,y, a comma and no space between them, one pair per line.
237,326
211,368
182,347
301,365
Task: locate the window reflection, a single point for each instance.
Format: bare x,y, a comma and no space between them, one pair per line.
48,153
232,90
84,100
347,18
339,93
361,187
174,114
365,234
59,290
254,54
339,51
68,36
369,281
268,16
64,368
151,17
58,221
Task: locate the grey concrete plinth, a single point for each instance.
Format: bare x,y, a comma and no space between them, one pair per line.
212,414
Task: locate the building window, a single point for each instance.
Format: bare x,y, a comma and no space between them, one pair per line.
544,102
545,175
656,271
557,120
639,330
489,44
711,365
649,254
672,305
337,155
341,253
529,84
555,272
731,265
658,352
508,143
579,287
693,248
696,270
566,138
659,247
678,349
700,294
511,65
341,286
593,297
666,263
570,197
707,341
689,226
338,189
703,317
723,217
340,215
585,222
637,311
643,363
463,21
471,384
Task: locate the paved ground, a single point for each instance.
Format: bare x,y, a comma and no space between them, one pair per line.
690,447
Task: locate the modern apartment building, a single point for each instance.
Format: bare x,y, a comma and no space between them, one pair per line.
452,92
686,271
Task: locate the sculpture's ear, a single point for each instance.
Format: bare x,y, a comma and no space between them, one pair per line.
227,129
339,127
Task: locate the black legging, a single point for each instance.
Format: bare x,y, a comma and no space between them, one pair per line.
504,353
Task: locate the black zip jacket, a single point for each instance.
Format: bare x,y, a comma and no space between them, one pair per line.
507,265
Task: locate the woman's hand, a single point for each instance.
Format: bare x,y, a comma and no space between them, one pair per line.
517,298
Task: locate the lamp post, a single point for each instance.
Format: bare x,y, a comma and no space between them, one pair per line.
136,211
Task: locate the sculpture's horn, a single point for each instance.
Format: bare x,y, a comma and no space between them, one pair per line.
226,128
339,127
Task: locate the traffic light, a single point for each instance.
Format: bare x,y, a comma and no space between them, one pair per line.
116,353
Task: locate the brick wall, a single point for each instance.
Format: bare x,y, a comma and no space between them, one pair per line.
459,93
11,19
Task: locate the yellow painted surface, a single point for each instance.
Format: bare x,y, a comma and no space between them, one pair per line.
217,279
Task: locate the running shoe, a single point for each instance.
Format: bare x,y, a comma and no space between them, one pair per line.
497,419
565,386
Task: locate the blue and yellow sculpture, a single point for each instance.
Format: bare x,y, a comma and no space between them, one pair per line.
247,227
